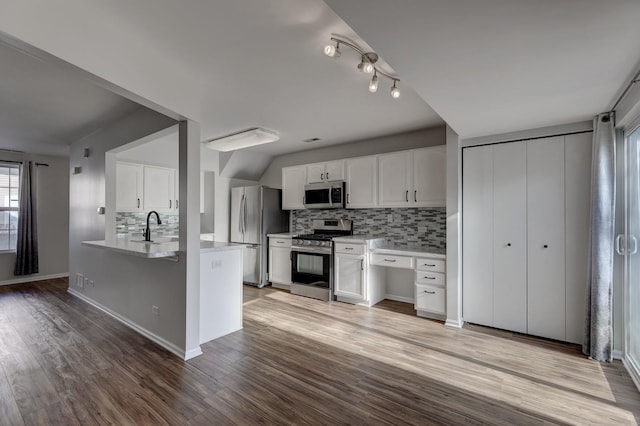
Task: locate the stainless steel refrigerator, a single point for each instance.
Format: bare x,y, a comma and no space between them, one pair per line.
255,212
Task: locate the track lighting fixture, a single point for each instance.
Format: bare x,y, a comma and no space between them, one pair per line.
366,65
373,85
395,92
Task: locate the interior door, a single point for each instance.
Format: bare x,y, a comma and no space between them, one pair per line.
632,276
252,215
546,238
510,236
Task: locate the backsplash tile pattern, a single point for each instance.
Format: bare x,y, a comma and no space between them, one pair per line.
129,223
424,227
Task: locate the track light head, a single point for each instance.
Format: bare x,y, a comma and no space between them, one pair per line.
373,85
395,92
332,51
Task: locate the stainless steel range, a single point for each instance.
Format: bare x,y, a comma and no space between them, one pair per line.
312,258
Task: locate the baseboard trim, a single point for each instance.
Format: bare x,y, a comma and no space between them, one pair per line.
633,370
618,355
185,355
399,298
454,323
33,278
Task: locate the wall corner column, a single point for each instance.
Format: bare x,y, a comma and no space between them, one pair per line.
454,234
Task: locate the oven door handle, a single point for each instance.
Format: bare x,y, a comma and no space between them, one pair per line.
310,251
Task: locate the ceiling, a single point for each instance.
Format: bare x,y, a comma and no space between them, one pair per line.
43,109
496,66
486,67
254,64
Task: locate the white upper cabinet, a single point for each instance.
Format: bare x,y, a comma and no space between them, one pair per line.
361,182
429,177
293,181
159,189
415,178
129,187
394,179
325,172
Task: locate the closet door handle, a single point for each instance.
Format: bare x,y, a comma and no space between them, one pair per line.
634,250
619,249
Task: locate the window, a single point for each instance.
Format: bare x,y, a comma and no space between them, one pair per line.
9,192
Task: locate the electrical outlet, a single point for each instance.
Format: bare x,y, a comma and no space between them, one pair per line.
131,221
155,310
79,280
422,229
216,264
390,218
369,221
92,283
86,282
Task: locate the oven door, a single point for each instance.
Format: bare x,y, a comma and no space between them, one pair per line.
311,268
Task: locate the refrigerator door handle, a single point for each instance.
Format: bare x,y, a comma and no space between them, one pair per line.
240,215
244,217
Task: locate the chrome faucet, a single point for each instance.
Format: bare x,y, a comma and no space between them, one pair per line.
147,232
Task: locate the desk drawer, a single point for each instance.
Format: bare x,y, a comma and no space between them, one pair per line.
392,260
430,299
431,278
349,248
434,265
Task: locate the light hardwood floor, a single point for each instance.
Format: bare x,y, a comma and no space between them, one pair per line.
297,361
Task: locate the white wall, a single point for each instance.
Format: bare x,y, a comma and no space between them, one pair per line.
427,137
126,285
53,219
162,152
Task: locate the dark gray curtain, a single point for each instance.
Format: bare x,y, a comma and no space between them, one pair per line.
598,338
27,244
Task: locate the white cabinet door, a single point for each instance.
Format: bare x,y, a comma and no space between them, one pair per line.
350,276
477,229
280,265
158,189
546,232
293,181
334,171
394,174
577,173
176,191
315,173
429,177
510,236
128,187
361,182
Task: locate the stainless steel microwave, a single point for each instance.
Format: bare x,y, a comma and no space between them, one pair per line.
328,195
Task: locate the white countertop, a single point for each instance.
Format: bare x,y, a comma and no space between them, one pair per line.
363,239
411,251
162,248
282,235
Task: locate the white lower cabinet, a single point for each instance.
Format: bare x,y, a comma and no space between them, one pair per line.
430,299
430,292
280,262
350,277
525,222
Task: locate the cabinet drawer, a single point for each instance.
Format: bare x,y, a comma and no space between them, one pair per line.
430,299
392,260
430,265
349,248
428,277
280,242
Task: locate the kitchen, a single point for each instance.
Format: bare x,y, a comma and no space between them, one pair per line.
403,234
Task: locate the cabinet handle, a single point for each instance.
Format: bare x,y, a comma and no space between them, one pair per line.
508,244
176,204
430,278
138,202
279,242
428,264
347,198
390,260
415,196
326,175
429,292
545,246
169,203
362,264
348,248
321,176
406,196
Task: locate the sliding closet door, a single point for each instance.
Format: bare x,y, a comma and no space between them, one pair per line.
477,229
510,236
577,149
545,235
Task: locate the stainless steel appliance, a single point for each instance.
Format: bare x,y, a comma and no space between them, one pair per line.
328,195
255,212
312,258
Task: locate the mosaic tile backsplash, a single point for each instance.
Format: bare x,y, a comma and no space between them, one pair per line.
130,223
424,227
